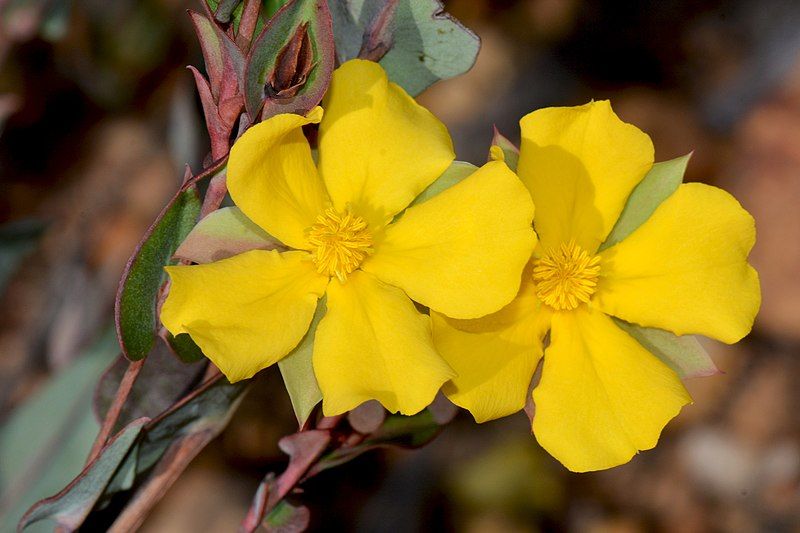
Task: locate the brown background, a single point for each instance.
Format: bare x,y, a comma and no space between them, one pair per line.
100,116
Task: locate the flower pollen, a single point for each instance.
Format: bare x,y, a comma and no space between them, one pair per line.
341,241
566,276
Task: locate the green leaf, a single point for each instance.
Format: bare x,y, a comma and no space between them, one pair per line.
224,233
70,507
509,150
136,298
427,44
45,442
457,171
287,518
662,180
298,372
270,7
265,53
207,410
185,348
162,381
683,354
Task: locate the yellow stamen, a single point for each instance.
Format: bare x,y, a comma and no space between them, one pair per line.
566,276
341,242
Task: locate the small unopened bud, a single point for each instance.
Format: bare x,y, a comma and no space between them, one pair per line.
292,67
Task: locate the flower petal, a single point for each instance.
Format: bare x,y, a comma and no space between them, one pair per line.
602,397
273,180
245,312
378,148
462,252
374,345
580,164
685,270
494,357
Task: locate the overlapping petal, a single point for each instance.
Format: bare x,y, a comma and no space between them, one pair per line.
374,344
461,252
580,164
245,312
685,269
602,396
273,180
378,148
494,357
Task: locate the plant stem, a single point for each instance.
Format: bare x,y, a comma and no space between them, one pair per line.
110,420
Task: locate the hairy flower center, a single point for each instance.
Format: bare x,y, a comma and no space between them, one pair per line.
566,276
341,241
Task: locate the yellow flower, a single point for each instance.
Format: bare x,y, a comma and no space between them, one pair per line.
354,238
602,397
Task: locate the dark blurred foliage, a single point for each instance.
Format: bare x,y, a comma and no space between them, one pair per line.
98,116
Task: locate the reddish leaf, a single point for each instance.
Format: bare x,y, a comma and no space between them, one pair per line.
213,53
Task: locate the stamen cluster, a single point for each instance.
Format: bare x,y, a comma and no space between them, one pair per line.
341,242
566,276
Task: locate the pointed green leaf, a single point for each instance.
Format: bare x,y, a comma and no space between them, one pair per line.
509,151
662,180
457,171
185,348
427,44
298,372
224,233
287,518
683,354
142,278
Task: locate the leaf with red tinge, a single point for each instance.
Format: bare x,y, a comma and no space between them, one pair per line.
135,309
290,63
442,409
683,354
287,518
367,417
378,36
222,234
427,44
207,410
70,507
397,430
508,151
219,133
212,48
163,380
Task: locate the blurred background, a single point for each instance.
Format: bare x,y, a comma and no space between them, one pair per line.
98,116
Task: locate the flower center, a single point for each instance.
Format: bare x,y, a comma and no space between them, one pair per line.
341,242
566,276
